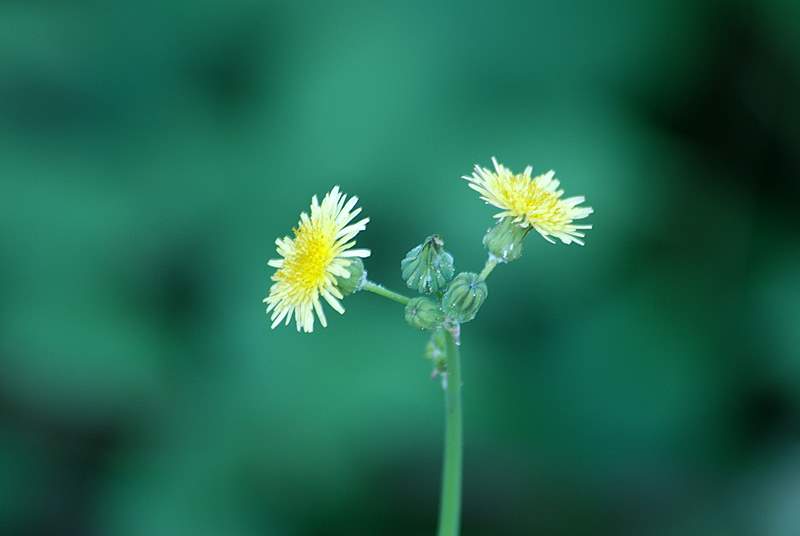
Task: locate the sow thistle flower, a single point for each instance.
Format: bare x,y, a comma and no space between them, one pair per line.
320,262
315,260
531,202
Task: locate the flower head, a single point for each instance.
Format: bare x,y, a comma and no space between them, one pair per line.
314,260
531,201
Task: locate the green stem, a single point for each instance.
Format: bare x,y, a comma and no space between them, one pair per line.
491,262
450,507
375,288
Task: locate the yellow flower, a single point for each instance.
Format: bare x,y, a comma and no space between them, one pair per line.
312,261
533,202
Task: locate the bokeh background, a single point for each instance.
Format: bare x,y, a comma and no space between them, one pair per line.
646,384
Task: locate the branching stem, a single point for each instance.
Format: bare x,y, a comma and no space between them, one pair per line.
380,290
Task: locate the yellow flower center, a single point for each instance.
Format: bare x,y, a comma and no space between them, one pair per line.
524,198
305,270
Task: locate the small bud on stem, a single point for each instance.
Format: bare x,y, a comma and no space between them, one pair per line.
424,313
428,267
464,297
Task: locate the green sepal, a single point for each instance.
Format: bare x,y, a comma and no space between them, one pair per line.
504,241
357,277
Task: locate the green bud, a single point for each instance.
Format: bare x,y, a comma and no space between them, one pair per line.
357,277
436,351
424,313
464,297
504,240
428,267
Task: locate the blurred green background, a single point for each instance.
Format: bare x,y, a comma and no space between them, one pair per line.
647,384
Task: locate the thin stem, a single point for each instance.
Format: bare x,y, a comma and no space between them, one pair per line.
450,507
491,262
375,288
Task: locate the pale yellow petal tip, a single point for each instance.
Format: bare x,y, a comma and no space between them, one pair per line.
531,201
310,262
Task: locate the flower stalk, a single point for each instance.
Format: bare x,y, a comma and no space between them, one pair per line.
450,502
490,265
380,290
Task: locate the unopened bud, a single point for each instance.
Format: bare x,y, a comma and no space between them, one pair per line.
464,297
428,267
424,313
436,351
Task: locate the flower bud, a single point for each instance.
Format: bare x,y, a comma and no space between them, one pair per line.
424,313
464,297
428,267
357,277
436,351
504,240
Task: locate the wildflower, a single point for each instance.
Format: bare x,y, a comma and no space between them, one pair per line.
533,202
314,261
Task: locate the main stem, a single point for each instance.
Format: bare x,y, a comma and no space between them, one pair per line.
450,507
